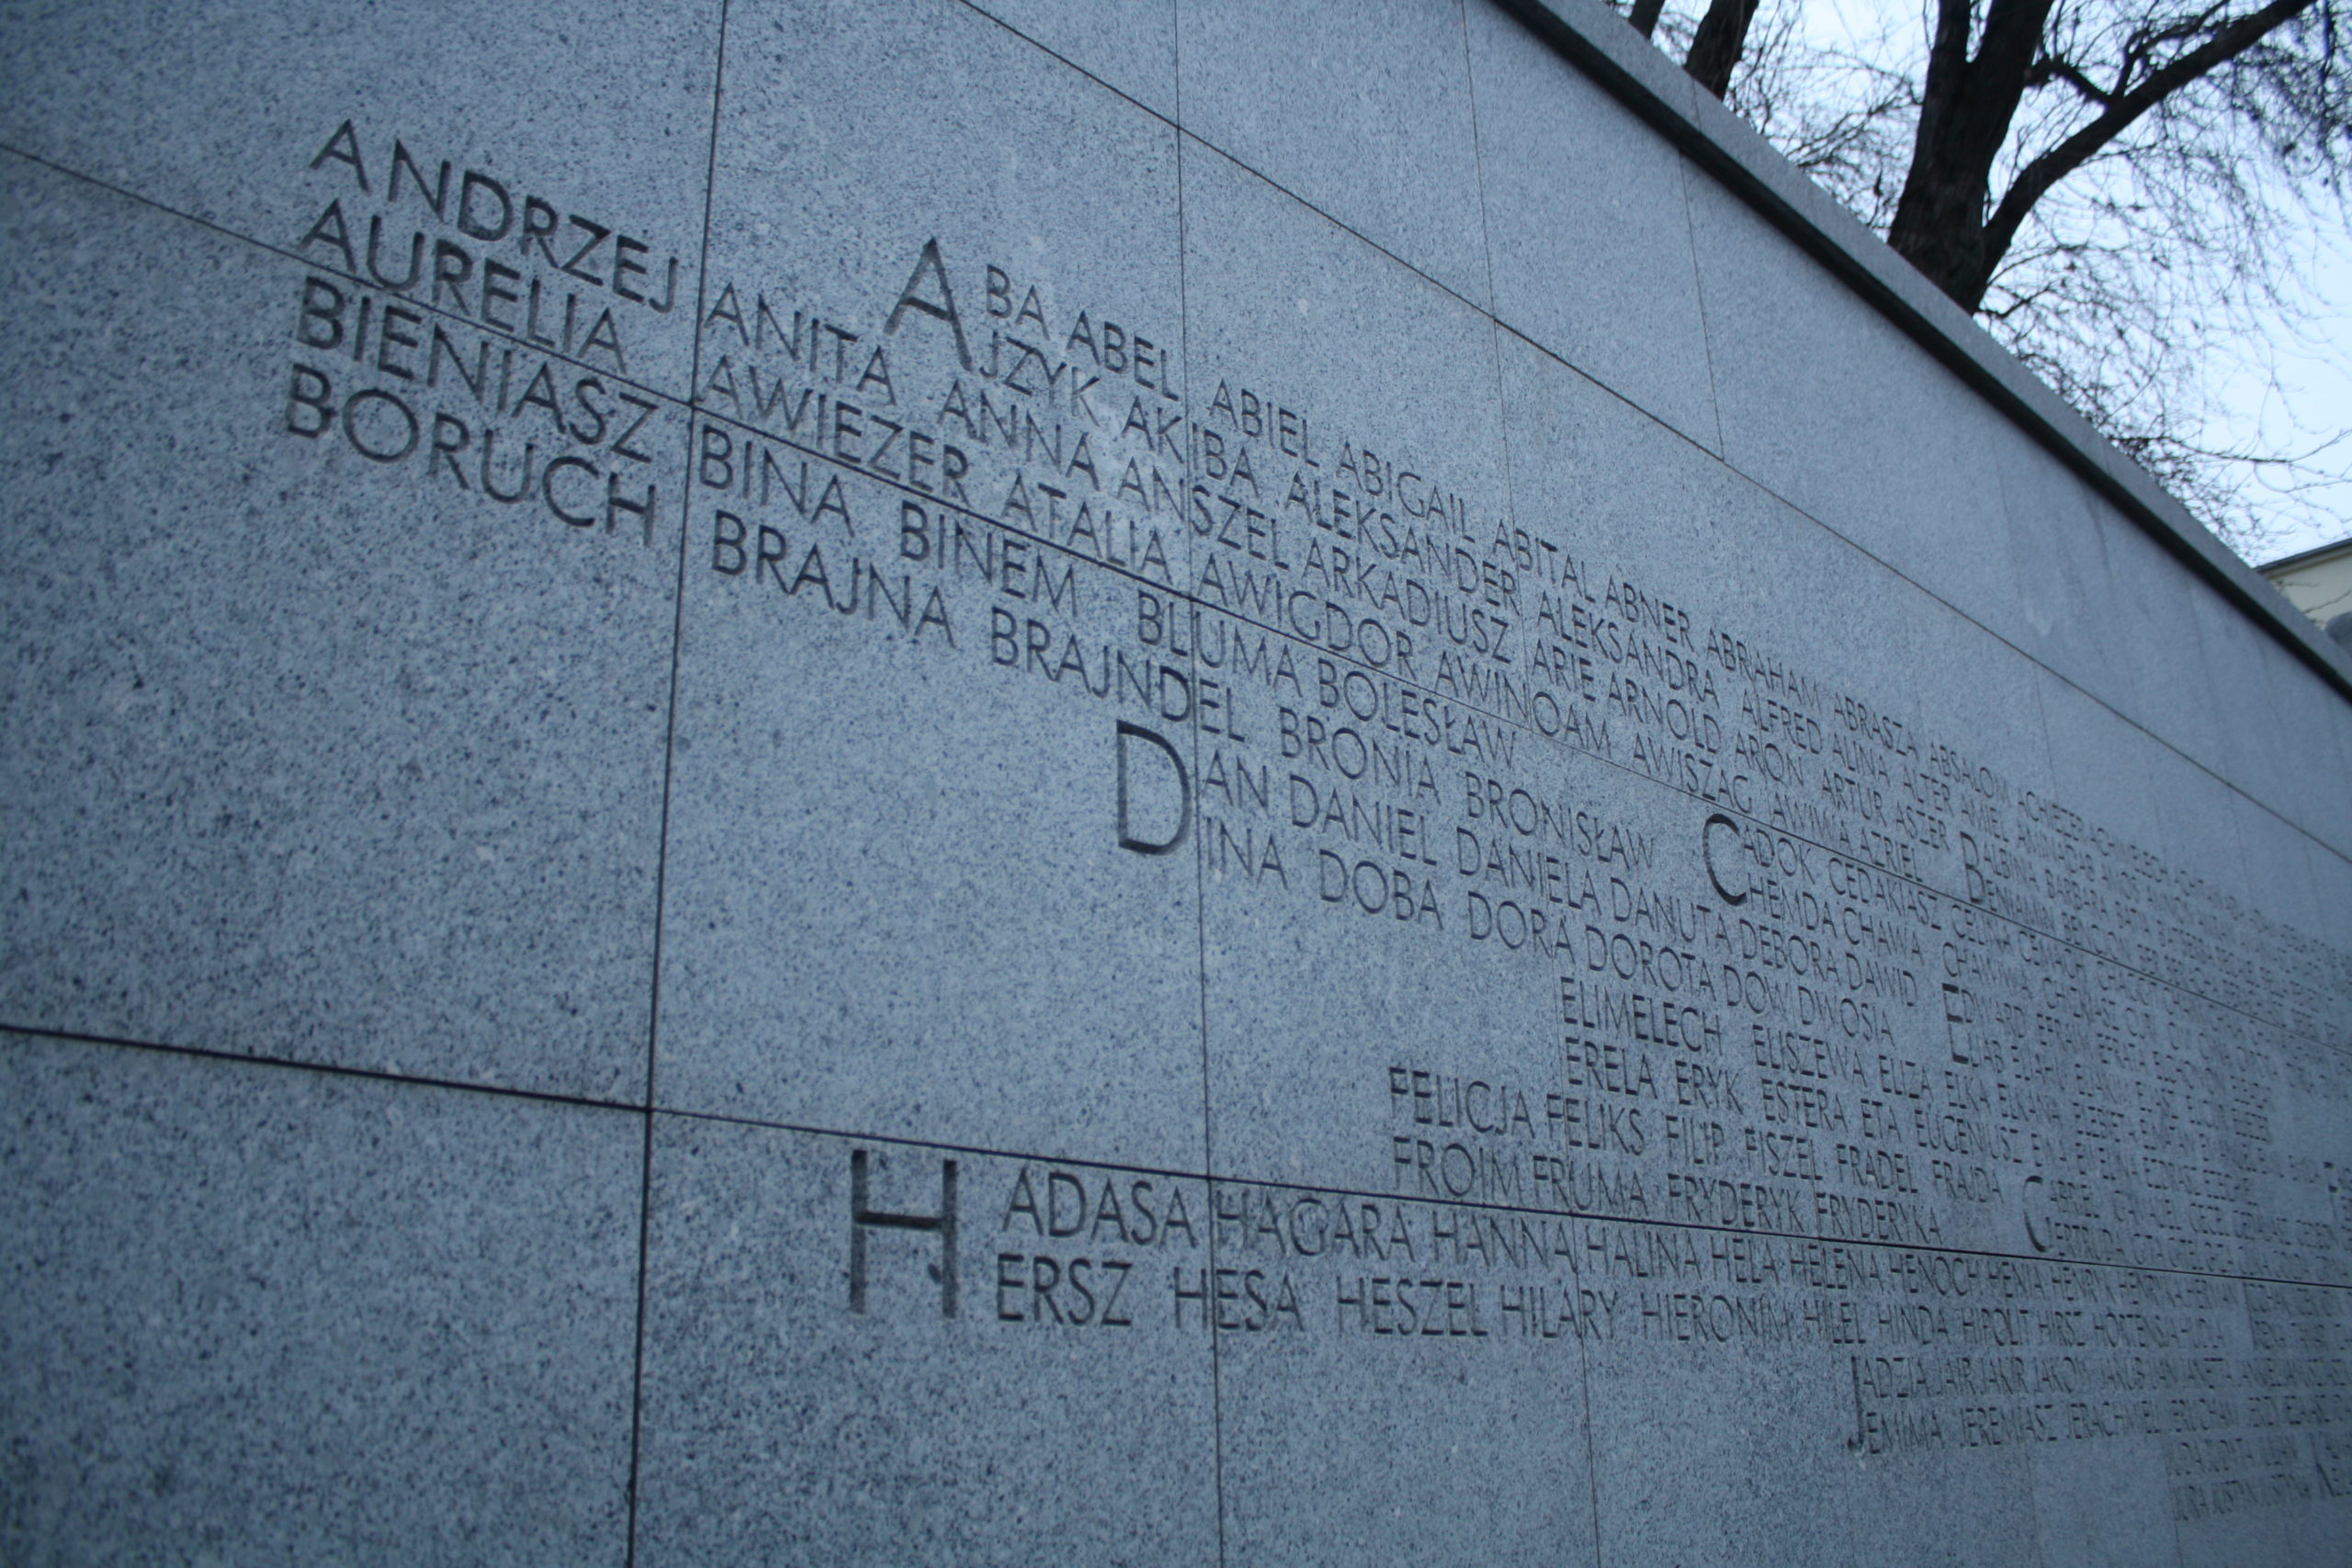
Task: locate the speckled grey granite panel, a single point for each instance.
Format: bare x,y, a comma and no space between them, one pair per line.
914,630
2176,700
1707,1452
2199,822
1029,1380
235,113
2066,596
1838,413
1362,109
2275,1494
2278,869
2331,886
1359,1433
2104,1504
1130,45
2314,779
2255,732
261,1315
316,749
1590,233
1825,851
1297,877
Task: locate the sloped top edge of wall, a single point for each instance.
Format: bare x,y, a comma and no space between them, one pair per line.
1605,47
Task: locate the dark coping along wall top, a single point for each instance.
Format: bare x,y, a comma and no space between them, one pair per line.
1605,46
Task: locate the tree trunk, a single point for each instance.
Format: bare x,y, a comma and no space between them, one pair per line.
1964,113
1717,46
1646,16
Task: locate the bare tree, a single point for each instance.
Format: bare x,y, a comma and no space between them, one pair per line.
2116,188
2115,65
1718,42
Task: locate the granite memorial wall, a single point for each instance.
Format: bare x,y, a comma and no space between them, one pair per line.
1146,782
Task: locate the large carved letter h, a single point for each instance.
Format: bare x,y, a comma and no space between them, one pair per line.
864,1217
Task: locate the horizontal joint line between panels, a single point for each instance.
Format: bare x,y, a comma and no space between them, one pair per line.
551,352
1170,1172
1482,1206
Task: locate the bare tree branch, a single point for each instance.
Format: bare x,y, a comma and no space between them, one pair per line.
2046,171
2157,170
2050,68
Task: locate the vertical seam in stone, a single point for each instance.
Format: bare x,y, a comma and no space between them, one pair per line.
1699,292
1591,1456
2032,1463
1486,243
669,764
2039,675
636,1374
1511,504
1200,839
1478,173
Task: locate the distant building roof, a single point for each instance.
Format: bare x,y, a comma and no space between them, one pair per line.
2307,557
2319,583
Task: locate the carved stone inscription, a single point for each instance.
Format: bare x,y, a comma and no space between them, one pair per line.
478,336
1855,1041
